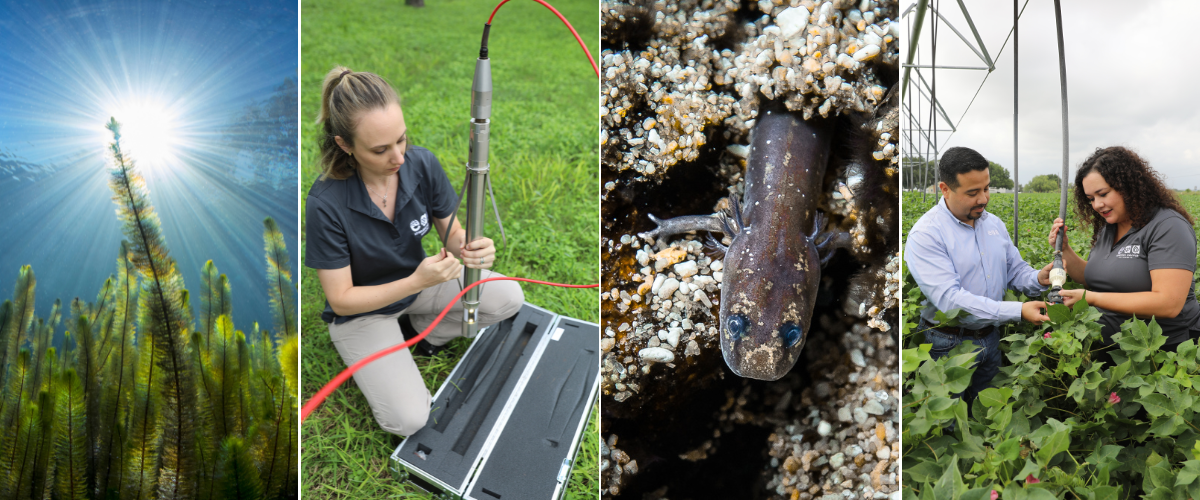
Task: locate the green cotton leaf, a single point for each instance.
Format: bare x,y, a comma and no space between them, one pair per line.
984,493
1071,365
1160,493
1034,407
1166,426
950,485
924,472
1081,306
1002,417
1010,449
947,318
1031,468
1059,313
1189,472
1027,370
1186,353
1161,476
1117,374
1156,404
994,396
1054,444
1036,493
1076,390
1196,450
958,378
939,404
1153,459
1182,377
911,358
1105,493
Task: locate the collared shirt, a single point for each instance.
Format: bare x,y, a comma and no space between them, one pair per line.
959,266
1166,242
345,228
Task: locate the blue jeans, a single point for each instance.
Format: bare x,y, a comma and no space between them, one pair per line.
987,363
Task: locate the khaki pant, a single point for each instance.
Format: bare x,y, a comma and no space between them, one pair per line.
393,386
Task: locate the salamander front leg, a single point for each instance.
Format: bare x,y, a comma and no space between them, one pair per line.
829,241
711,223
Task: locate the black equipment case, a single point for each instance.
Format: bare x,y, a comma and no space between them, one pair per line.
508,419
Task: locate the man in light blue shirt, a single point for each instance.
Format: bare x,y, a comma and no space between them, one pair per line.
962,258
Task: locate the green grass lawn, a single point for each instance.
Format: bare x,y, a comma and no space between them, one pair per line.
544,159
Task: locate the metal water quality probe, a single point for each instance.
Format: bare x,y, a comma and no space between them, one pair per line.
478,174
1058,274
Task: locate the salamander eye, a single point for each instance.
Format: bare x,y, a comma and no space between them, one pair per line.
791,334
736,325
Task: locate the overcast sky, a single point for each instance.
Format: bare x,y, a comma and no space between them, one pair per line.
1131,81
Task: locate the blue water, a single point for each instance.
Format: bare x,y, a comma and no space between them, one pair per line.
225,72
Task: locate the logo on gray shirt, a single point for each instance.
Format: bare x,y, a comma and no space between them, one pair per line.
1129,252
420,226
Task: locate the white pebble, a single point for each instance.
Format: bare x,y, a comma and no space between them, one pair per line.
791,21
866,53
658,282
856,357
686,268
824,429
668,287
716,265
673,336
657,355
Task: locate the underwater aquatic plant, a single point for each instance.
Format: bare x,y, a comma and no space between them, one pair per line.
138,403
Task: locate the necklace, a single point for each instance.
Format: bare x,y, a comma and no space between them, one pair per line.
384,196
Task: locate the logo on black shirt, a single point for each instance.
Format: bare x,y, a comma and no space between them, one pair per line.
420,226
1129,252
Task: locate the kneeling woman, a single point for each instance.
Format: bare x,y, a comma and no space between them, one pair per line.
375,200
1143,253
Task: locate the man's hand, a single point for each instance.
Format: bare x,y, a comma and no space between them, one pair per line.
1044,274
1032,312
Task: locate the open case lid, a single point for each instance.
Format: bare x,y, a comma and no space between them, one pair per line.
533,455
515,406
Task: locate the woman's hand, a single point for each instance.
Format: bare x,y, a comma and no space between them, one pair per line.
437,269
1058,223
478,254
1070,297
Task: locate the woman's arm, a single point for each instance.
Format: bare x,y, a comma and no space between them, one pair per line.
347,300
1167,295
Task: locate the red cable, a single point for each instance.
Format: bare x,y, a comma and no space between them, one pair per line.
564,20
319,398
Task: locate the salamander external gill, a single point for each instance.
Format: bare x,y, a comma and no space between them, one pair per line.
773,263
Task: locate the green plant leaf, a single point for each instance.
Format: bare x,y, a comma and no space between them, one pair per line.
1059,313
994,396
1056,443
1010,449
1188,474
947,318
924,471
950,485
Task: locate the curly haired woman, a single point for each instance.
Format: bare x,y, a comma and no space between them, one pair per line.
1143,255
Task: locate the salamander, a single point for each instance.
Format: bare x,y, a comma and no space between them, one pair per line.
773,263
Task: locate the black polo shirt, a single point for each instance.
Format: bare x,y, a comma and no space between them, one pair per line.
1166,242
344,228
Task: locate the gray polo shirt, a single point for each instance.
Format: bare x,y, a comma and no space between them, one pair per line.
1166,242
344,228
